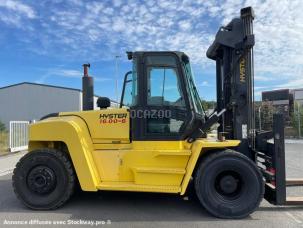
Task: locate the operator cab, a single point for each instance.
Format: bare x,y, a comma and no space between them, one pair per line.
162,97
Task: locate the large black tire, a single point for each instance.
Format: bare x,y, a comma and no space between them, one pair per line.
44,179
229,185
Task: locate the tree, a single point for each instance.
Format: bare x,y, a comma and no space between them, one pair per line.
2,127
208,104
267,112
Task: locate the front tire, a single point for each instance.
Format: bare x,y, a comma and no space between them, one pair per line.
44,179
229,185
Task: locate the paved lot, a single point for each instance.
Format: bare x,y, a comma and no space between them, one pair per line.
144,209
7,162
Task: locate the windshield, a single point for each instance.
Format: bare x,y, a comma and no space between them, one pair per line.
192,88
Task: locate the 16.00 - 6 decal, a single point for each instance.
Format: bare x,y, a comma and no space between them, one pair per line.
112,118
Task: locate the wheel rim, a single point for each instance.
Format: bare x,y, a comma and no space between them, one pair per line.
229,184
41,180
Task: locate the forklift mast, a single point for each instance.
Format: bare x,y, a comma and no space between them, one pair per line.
232,50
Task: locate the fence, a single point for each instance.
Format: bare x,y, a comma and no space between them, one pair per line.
18,135
293,116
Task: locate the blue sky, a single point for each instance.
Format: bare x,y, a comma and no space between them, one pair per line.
47,41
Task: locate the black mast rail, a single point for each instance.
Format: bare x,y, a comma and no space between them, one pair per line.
233,52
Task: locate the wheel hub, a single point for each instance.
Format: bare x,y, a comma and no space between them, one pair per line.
41,180
228,184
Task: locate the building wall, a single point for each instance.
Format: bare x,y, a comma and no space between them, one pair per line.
32,101
298,95
28,101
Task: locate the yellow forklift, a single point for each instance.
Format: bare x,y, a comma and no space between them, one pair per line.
156,141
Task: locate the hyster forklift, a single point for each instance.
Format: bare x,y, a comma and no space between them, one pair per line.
156,141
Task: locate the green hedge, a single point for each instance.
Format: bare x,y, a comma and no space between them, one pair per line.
2,127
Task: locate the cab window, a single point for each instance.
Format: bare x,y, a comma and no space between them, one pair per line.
163,87
164,95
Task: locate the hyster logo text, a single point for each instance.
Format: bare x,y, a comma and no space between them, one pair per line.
113,118
242,70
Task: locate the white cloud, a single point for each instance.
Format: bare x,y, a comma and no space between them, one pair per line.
18,7
117,3
99,30
204,84
67,73
118,25
264,78
185,25
14,12
279,34
292,83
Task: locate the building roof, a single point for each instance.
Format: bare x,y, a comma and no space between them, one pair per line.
276,91
38,84
299,89
275,95
53,86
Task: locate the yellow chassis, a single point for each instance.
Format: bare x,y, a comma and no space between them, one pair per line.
105,159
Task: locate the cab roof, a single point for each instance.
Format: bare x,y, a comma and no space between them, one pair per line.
131,54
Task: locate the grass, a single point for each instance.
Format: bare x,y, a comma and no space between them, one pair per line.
4,138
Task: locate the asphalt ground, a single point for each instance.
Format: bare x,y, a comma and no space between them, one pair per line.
126,209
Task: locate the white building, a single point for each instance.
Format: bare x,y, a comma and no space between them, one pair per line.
298,95
31,101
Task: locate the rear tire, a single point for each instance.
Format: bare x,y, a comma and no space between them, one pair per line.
44,179
229,185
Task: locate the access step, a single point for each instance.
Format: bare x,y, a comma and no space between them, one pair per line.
130,186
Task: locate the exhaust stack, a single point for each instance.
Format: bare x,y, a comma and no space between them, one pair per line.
87,89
